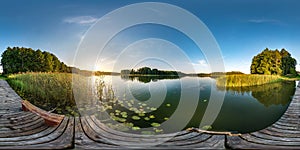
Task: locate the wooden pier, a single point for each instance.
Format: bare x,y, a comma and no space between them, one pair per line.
26,130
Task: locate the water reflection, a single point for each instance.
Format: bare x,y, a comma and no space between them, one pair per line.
245,109
147,79
278,93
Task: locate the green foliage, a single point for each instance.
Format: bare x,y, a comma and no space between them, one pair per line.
246,80
46,90
274,62
3,77
20,59
149,71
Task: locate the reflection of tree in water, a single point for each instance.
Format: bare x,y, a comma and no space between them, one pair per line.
268,94
147,79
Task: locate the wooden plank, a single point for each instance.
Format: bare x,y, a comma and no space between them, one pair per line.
61,138
51,119
82,141
284,134
92,133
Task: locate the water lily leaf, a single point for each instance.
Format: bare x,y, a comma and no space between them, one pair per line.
168,105
154,124
166,118
135,117
147,118
153,108
123,113
159,130
135,128
129,124
208,127
205,100
141,114
129,104
152,116
121,120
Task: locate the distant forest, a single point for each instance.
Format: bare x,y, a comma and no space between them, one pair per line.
149,71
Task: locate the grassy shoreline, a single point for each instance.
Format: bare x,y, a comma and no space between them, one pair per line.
250,80
49,91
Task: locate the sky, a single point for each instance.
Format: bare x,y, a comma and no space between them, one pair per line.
242,29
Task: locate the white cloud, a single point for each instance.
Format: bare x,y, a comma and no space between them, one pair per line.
263,21
82,20
202,66
203,63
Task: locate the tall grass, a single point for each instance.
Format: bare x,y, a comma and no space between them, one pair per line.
58,91
246,80
50,91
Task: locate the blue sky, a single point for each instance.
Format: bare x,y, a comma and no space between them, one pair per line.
241,28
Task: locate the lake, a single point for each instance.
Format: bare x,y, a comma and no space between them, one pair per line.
150,105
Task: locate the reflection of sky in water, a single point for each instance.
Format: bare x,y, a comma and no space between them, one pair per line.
241,111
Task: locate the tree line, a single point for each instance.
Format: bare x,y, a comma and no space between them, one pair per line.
148,71
20,59
274,62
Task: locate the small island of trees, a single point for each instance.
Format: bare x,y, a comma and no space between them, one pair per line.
146,71
269,66
274,62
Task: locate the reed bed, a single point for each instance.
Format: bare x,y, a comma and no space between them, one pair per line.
246,80
50,91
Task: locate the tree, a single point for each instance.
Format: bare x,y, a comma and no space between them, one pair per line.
273,62
20,59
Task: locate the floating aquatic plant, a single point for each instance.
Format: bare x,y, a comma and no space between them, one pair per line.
135,117
154,124
135,128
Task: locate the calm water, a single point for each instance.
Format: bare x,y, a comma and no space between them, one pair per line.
150,105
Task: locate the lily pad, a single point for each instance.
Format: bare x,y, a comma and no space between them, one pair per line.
123,113
205,100
141,114
147,118
129,124
153,108
135,117
208,127
154,124
152,116
135,128
168,105
159,130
